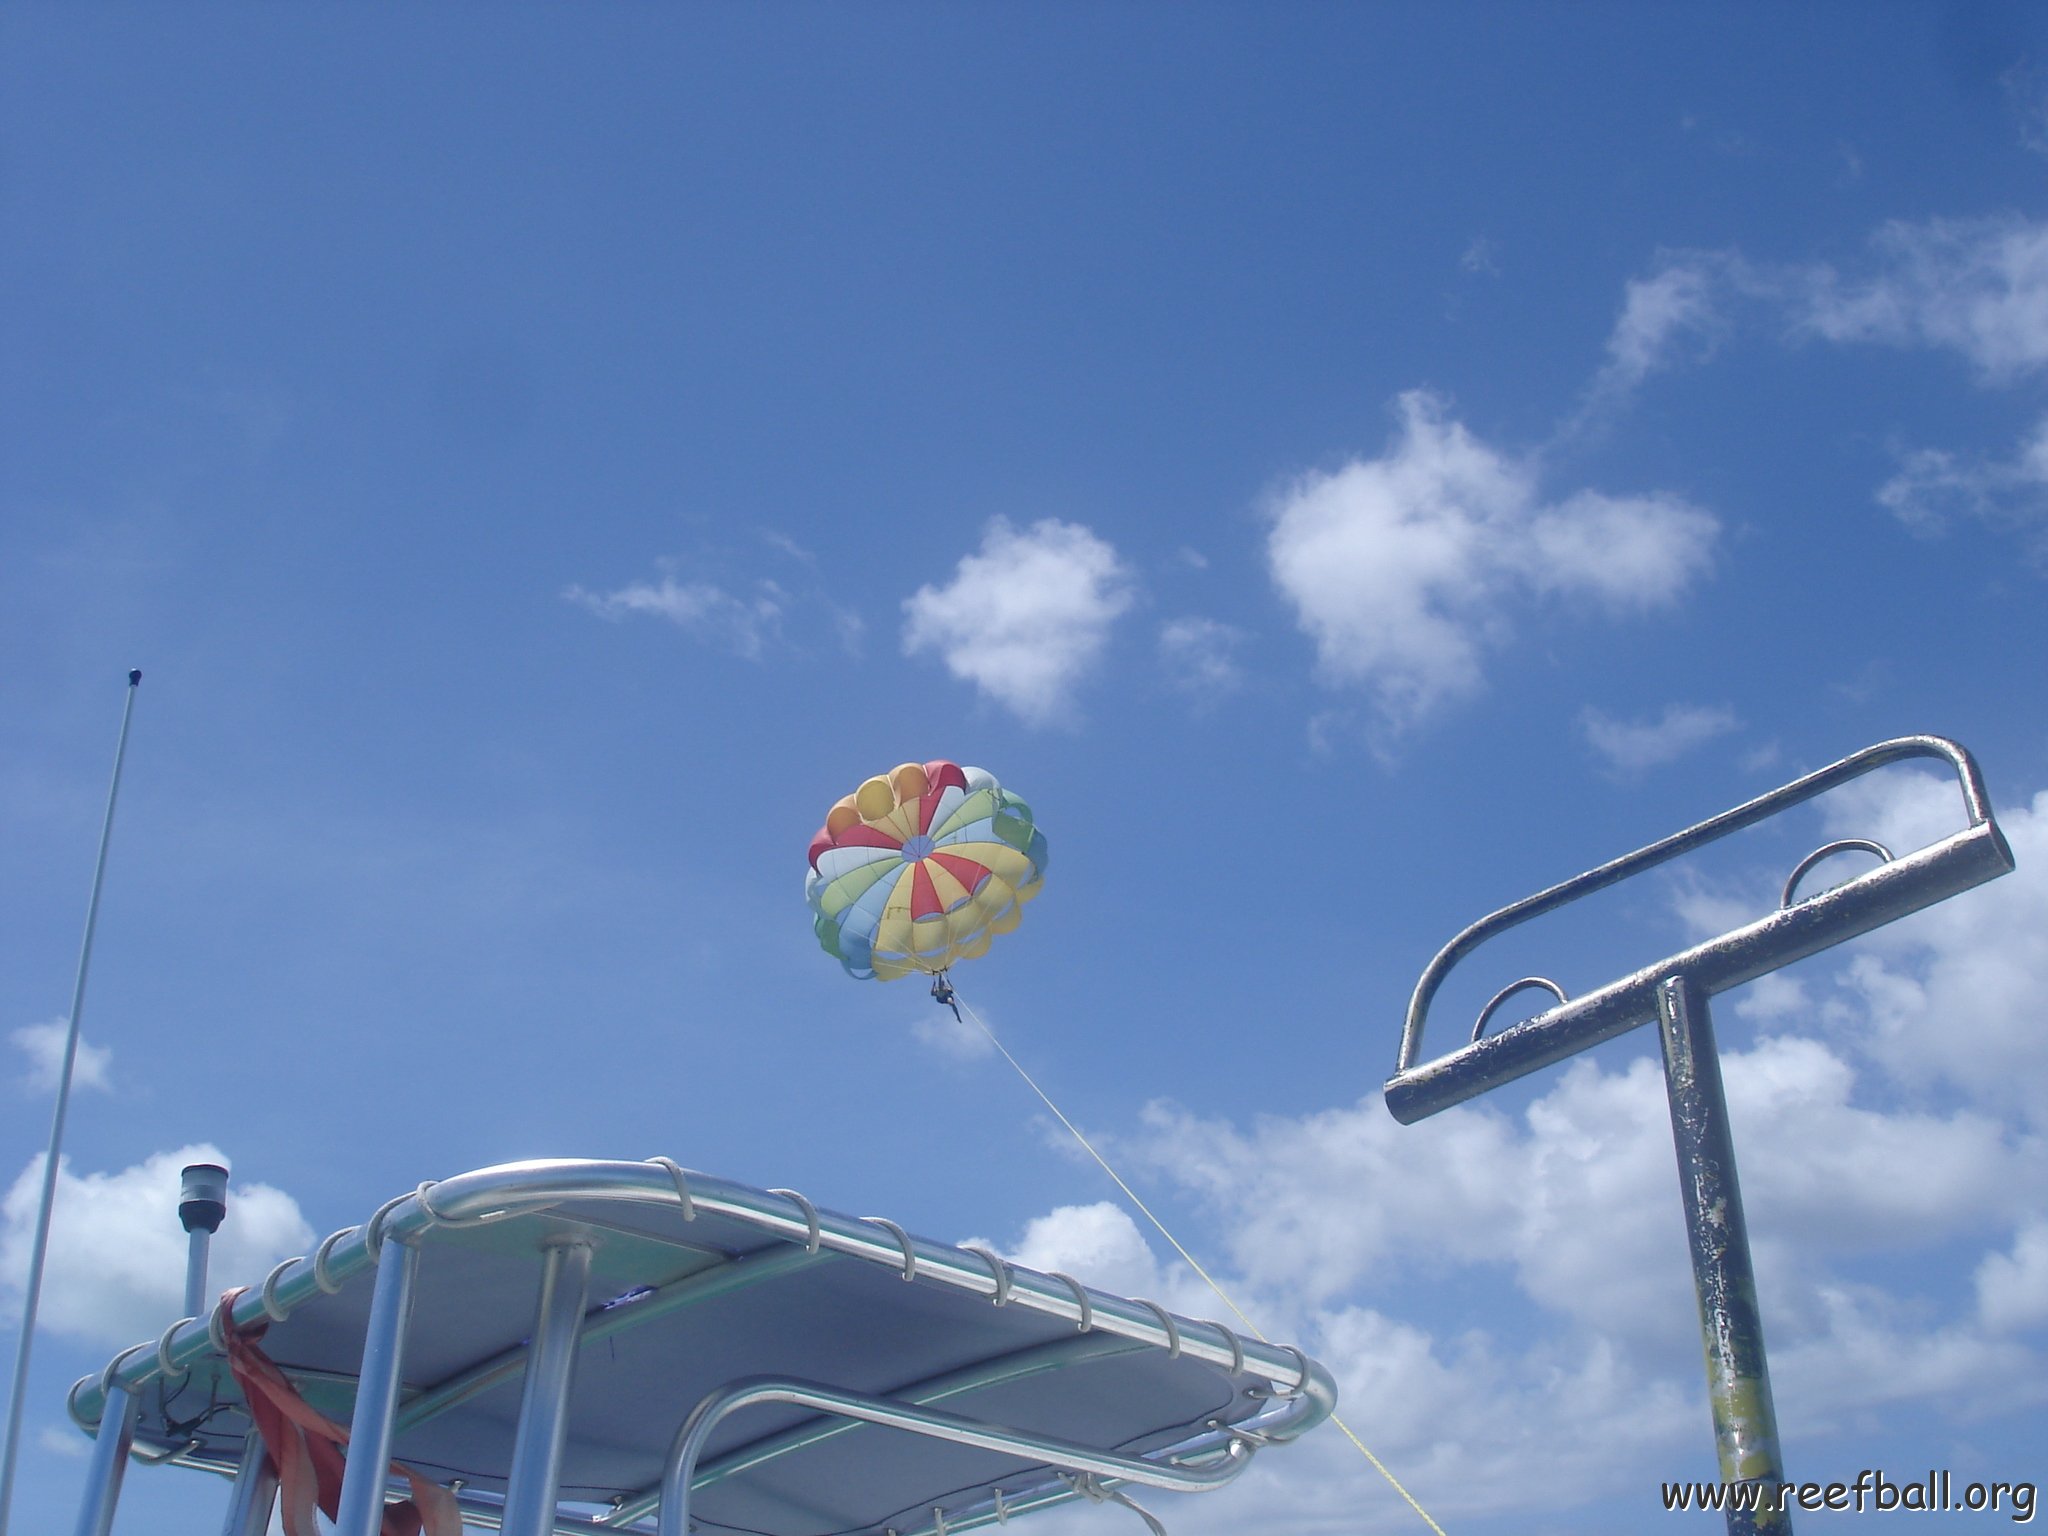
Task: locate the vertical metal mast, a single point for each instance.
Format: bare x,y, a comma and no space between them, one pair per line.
42,1239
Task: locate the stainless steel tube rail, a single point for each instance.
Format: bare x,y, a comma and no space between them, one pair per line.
514,1189
1288,1416
706,1416
361,1512
978,1377
1892,890
484,1196
1292,1415
109,1467
533,1482
255,1495
1303,1391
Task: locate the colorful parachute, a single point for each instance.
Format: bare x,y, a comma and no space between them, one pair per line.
920,867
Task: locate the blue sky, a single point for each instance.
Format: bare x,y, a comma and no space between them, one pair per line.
1347,468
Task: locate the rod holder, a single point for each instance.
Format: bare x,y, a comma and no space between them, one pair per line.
1673,993
1954,864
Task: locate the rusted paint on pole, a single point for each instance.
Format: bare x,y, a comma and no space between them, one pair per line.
1731,1329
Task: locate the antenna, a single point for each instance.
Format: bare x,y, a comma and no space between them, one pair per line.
39,1250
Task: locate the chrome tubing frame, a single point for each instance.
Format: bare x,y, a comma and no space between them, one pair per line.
1296,1414
514,1189
255,1494
706,1416
361,1512
109,1466
530,1486
1303,1393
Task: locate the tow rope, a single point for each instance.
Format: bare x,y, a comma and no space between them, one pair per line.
951,998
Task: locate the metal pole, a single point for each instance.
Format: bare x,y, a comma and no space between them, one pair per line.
530,1487
255,1491
40,1247
109,1463
361,1511
1738,1377
196,1243
202,1204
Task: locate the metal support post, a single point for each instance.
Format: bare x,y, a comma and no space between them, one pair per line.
198,1243
530,1487
255,1491
202,1204
109,1463
361,1512
1738,1377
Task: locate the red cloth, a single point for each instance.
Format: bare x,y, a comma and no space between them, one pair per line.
305,1447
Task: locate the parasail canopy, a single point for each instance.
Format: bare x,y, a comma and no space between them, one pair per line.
920,867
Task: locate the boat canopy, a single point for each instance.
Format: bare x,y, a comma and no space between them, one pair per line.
557,1340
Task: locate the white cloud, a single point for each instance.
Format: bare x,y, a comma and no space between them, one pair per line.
1400,568
2026,98
851,630
1758,758
1098,1244
1630,553
2012,1288
1575,1203
43,1045
56,1440
1465,1419
1481,258
777,540
116,1267
1578,1199
1900,1239
1975,286
1631,746
1660,312
1199,655
1025,618
1680,313
1770,999
1876,1348
742,625
1953,994
949,1036
1933,485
